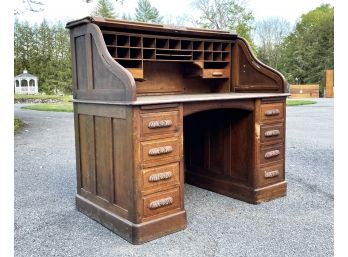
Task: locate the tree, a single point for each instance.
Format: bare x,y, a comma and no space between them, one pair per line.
309,50
44,51
29,5
225,15
147,13
269,34
105,9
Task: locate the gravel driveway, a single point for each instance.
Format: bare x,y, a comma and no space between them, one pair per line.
300,224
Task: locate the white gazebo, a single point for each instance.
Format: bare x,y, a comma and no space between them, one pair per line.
26,83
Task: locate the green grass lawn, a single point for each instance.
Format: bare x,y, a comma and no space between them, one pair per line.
65,104
57,107
299,102
18,124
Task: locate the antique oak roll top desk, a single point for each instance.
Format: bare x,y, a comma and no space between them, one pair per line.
156,106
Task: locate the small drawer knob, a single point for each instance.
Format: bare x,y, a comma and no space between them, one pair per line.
160,150
271,174
160,203
159,124
160,176
272,133
271,154
273,112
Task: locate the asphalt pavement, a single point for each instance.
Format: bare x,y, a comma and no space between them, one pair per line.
301,224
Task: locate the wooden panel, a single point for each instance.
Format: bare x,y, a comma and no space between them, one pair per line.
219,142
81,62
160,177
102,110
161,202
161,77
273,111
272,132
121,161
161,150
87,155
304,91
160,123
329,83
103,151
241,145
271,153
271,174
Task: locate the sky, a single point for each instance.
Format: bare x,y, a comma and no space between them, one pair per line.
66,10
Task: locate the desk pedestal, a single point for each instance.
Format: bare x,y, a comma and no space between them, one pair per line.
131,159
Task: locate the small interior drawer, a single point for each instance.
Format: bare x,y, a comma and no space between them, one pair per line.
161,202
159,122
272,132
272,111
216,73
162,176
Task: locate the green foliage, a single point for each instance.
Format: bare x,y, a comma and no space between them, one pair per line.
147,13
105,9
18,124
225,15
308,51
45,52
59,107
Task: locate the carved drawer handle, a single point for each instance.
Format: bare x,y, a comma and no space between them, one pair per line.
271,174
160,150
159,124
272,133
273,112
271,154
217,74
160,203
160,176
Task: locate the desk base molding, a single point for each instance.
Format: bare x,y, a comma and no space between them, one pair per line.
133,233
236,189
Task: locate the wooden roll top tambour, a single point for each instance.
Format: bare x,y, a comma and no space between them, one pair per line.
157,106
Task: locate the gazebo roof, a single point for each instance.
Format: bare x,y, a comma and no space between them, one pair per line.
25,74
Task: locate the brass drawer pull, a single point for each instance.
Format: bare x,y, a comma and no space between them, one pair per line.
272,133
160,150
271,174
217,74
160,203
160,176
273,112
159,124
271,154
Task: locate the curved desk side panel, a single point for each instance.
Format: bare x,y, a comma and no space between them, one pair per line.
251,75
96,75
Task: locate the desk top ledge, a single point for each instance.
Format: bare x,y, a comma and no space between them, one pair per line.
182,98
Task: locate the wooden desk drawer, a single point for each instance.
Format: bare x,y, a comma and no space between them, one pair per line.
159,122
166,175
216,73
271,174
272,111
272,153
161,202
272,132
167,149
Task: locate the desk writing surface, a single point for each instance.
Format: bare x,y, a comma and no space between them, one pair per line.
181,98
